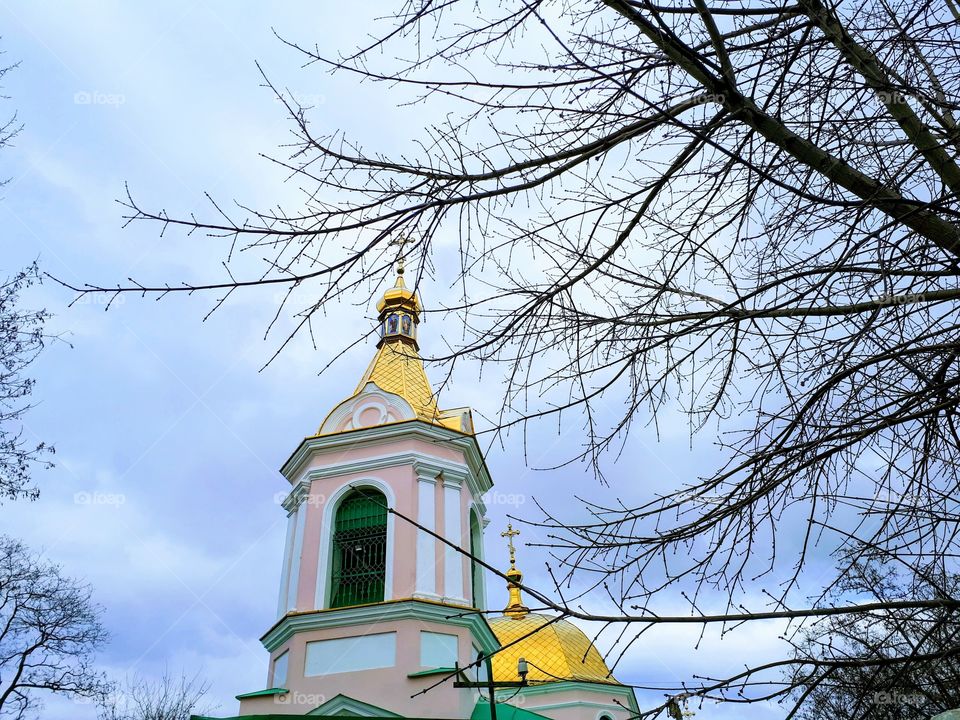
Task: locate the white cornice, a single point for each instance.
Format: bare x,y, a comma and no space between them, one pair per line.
382,434
293,623
452,473
549,688
296,495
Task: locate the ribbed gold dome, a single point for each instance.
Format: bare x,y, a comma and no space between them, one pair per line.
557,651
399,296
397,367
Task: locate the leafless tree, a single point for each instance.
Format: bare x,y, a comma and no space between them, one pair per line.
10,127
163,699
49,632
21,339
894,684
744,210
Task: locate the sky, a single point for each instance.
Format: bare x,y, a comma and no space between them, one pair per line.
169,431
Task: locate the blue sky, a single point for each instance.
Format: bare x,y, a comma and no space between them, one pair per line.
168,434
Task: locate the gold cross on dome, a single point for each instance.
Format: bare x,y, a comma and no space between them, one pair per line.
400,242
510,533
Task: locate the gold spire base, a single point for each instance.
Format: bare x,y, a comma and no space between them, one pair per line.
515,607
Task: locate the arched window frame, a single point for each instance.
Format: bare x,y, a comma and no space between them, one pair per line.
359,559
325,564
391,324
477,586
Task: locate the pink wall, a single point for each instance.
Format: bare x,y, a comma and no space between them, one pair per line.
403,482
575,704
347,454
389,688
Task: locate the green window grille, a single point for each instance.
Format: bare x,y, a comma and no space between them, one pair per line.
359,549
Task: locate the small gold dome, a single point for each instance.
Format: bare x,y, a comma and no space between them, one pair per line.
399,296
559,650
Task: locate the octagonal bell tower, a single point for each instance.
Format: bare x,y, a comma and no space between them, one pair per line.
371,606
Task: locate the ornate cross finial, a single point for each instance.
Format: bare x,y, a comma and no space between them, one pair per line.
400,242
510,533
515,607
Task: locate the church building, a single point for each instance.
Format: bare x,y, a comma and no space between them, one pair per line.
381,617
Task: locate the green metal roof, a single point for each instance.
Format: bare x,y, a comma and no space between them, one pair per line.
481,711
286,716
433,671
263,693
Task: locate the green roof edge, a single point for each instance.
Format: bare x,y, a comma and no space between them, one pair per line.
262,693
433,671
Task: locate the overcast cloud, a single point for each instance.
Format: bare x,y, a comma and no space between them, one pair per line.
169,436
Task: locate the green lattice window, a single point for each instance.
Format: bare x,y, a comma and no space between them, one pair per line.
359,549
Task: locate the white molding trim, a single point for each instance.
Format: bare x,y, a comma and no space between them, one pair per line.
426,557
371,396
532,691
422,463
473,510
366,437
453,533
321,600
295,497
291,624
346,705
605,708
285,567
293,585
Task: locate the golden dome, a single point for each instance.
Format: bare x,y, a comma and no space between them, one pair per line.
555,649
399,296
558,650
397,368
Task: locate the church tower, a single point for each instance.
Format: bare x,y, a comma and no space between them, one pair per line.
370,606
380,598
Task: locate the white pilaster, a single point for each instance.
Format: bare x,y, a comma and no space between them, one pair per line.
426,585
453,532
301,517
287,560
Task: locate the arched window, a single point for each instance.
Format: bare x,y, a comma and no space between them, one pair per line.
358,569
